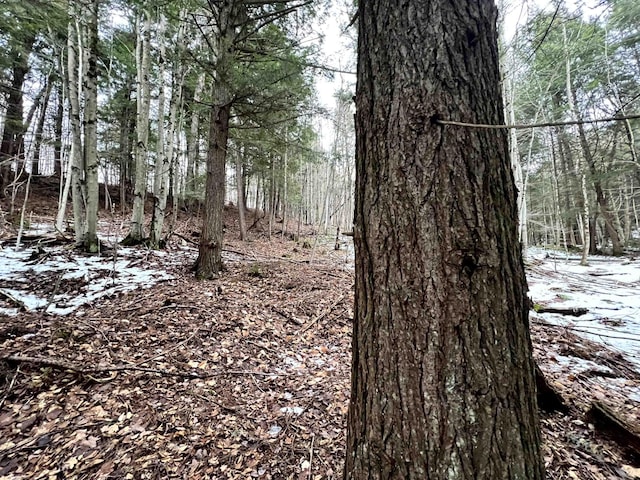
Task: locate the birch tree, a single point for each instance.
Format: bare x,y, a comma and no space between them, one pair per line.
143,101
83,100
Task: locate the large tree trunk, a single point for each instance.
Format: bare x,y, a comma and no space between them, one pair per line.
209,262
442,375
12,146
125,147
569,185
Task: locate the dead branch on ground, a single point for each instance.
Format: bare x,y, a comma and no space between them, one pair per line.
63,364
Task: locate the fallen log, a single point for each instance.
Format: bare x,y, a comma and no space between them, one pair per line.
614,427
548,399
574,312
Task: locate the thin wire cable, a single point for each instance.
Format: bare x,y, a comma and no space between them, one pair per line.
535,125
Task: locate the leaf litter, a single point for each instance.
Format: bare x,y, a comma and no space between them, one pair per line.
245,376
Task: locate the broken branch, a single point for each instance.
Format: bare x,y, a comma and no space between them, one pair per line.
64,365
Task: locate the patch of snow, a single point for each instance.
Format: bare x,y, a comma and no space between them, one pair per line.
38,228
30,301
575,364
292,362
292,410
103,275
609,288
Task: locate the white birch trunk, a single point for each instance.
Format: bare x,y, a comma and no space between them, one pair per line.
161,169
193,137
74,72
586,234
91,127
143,62
165,149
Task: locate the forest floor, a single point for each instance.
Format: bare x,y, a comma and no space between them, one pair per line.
124,366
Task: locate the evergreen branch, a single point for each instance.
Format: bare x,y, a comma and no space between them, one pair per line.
270,18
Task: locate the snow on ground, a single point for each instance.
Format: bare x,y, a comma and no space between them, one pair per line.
72,280
608,287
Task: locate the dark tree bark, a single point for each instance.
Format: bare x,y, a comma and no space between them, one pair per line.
126,137
12,146
209,262
570,186
229,15
242,201
443,380
57,131
601,198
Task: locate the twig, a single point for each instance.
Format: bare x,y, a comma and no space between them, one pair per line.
53,292
263,347
287,317
321,316
13,299
63,365
177,307
95,329
228,250
174,348
310,475
61,233
10,387
255,382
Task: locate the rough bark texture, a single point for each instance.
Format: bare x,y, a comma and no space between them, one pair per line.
12,145
230,15
209,262
242,206
442,377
